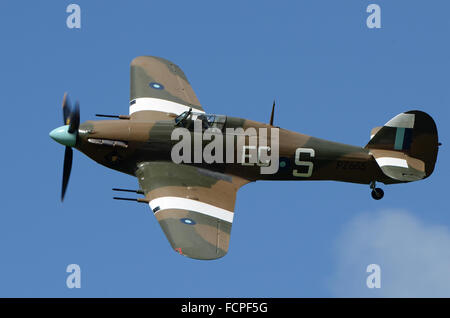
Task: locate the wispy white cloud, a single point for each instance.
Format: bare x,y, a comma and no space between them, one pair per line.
414,256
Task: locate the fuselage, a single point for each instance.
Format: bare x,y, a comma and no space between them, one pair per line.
123,144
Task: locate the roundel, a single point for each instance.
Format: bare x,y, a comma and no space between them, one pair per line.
284,162
156,85
188,221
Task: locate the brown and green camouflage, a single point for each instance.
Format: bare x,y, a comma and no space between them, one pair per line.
194,202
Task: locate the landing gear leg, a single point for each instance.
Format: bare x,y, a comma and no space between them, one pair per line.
377,193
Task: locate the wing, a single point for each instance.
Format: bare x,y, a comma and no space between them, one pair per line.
194,206
159,89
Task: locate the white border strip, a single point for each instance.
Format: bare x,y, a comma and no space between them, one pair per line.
159,105
165,203
389,161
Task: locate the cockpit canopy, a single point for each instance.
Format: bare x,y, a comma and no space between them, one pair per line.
187,118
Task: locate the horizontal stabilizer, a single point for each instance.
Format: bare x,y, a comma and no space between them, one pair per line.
399,166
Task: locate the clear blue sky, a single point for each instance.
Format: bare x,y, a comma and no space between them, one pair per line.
332,78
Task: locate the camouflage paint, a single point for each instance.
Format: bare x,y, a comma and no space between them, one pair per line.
146,145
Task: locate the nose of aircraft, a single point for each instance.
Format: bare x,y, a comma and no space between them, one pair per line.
62,136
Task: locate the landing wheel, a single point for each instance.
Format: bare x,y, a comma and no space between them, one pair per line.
377,193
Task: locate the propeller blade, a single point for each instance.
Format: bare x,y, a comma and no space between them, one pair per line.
68,155
74,119
67,109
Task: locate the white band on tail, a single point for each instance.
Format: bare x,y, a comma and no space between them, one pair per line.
389,161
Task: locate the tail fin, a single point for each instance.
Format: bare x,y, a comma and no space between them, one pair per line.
406,147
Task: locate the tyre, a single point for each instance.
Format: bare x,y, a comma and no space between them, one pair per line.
377,193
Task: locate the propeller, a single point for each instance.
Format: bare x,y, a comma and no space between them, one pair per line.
68,155
67,135
71,116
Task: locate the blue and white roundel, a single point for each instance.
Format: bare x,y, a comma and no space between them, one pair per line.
156,85
187,221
